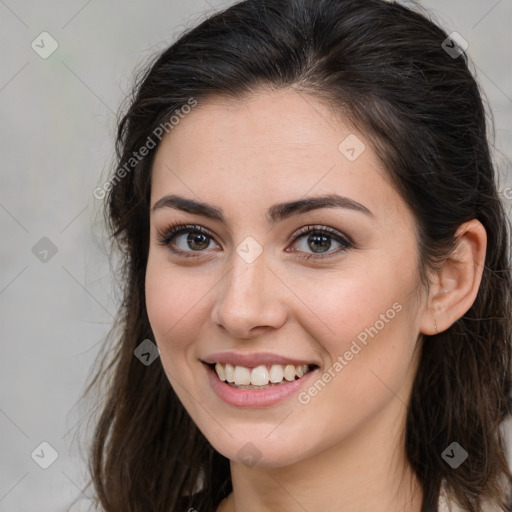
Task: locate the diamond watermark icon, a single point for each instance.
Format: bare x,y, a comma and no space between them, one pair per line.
454,455
44,455
146,352
249,454
44,250
352,147
44,45
249,249
454,45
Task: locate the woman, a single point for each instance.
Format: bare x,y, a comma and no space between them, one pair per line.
316,272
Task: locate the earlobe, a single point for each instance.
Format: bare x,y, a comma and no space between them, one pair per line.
456,284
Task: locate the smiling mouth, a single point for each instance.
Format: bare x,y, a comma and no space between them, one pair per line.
260,377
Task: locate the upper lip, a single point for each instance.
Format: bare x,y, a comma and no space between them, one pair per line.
253,360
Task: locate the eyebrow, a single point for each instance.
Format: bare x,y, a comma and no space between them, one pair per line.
275,213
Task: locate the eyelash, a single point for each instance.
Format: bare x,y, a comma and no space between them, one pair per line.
166,236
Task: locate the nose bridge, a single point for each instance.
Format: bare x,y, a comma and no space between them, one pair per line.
246,299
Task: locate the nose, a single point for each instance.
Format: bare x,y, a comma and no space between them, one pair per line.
249,300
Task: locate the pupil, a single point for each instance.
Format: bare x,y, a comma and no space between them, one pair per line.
198,238
318,240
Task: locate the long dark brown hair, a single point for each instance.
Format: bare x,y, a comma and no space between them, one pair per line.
387,70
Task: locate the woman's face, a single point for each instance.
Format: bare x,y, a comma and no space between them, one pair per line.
334,285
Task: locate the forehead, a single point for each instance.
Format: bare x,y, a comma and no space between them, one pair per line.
268,146
283,123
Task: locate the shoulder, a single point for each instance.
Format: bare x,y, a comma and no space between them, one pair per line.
447,504
196,502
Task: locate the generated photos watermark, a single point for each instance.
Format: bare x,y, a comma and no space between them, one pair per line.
343,360
137,156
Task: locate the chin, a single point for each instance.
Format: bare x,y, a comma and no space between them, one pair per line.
257,450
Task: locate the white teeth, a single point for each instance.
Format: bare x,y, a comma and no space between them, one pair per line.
276,373
229,371
289,372
260,375
220,371
242,375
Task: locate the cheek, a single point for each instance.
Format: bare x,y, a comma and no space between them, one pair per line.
368,326
176,302
342,305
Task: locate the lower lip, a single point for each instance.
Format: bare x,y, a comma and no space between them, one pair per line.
258,397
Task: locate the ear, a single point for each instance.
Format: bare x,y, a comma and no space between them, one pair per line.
455,286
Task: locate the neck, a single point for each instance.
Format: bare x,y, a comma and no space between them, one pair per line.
366,472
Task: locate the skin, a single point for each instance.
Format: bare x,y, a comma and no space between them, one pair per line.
344,449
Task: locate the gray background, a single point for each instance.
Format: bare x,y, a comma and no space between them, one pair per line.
57,132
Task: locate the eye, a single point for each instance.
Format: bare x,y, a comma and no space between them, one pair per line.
197,240
319,240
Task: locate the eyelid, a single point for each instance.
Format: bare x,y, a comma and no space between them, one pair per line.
167,234
322,229
344,240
